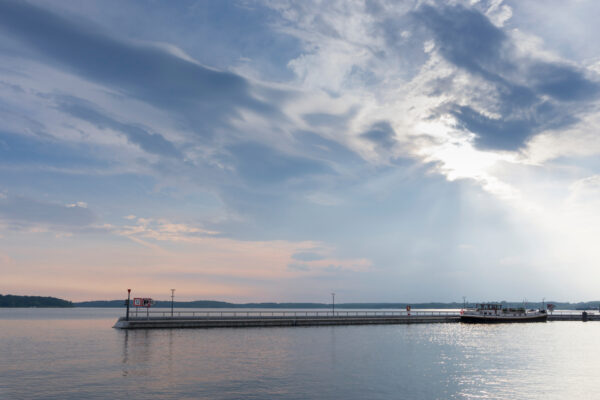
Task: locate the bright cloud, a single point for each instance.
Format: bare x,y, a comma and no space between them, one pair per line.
390,151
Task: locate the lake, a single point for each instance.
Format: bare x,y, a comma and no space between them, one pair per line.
75,354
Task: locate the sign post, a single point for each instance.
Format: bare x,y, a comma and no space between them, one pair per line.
143,302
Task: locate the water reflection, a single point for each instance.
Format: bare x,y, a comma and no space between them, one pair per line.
85,358
141,348
428,361
333,347
170,352
125,335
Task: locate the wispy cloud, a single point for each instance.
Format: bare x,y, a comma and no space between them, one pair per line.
153,143
150,73
21,211
296,147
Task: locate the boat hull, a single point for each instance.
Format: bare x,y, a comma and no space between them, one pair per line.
497,319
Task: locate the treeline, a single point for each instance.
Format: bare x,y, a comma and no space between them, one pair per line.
354,306
10,300
39,301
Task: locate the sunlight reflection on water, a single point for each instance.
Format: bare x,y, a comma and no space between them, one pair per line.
73,354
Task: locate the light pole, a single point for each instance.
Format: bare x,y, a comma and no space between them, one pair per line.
172,298
128,297
333,304
464,302
544,303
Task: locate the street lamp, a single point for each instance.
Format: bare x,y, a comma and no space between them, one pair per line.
333,304
172,298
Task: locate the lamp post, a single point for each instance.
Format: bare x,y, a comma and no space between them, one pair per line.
333,304
128,297
172,298
464,302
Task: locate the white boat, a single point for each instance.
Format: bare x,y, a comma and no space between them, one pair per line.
495,313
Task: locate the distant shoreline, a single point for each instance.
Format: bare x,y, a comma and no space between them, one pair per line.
591,305
12,301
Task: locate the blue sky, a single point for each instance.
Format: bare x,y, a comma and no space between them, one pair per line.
282,150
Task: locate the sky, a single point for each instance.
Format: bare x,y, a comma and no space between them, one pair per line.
386,151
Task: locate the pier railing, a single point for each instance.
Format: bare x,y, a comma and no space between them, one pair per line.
286,314
209,314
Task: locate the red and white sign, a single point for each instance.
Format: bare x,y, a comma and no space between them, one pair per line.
142,302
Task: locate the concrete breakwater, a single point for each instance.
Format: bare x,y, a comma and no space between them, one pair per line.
215,319
574,317
265,321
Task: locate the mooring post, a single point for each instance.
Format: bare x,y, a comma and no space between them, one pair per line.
128,297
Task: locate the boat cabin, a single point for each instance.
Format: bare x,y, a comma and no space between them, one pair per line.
496,309
489,308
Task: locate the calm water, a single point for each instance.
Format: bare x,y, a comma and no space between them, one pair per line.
75,354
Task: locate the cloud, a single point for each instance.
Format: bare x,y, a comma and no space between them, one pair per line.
328,119
562,81
381,134
298,267
505,133
153,143
206,98
81,204
525,95
465,37
326,266
258,163
357,162
24,212
43,150
307,256
163,230
7,261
